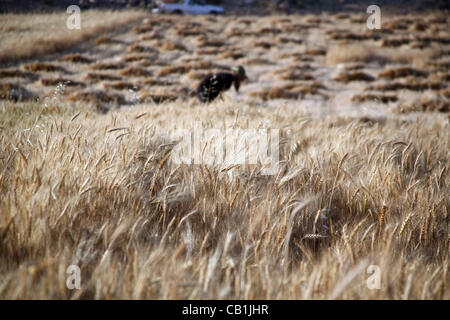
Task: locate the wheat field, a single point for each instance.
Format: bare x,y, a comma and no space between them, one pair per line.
100,190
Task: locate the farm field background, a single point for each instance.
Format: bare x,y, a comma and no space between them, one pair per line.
87,176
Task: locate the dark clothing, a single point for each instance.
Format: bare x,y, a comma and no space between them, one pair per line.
214,84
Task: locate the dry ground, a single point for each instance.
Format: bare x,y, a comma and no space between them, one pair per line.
30,35
322,64
363,176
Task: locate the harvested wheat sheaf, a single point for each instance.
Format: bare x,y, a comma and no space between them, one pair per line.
75,58
402,72
173,69
43,67
95,77
157,97
15,92
384,98
53,82
121,85
135,72
273,93
435,103
106,41
15,73
97,98
354,76
106,66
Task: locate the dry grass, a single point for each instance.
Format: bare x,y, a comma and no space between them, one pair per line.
308,88
412,85
95,77
53,82
106,66
142,29
142,57
293,74
158,96
205,65
357,184
285,40
41,34
395,42
355,53
445,93
102,192
341,16
75,58
346,35
173,69
401,72
15,73
296,56
231,54
15,92
203,41
443,66
297,27
121,85
172,45
151,36
136,48
316,52
191,32
257,62
262,44
135,72
273,93
106,41
426,103
149,81
209,51
194,75
43,67
268,31
101,100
